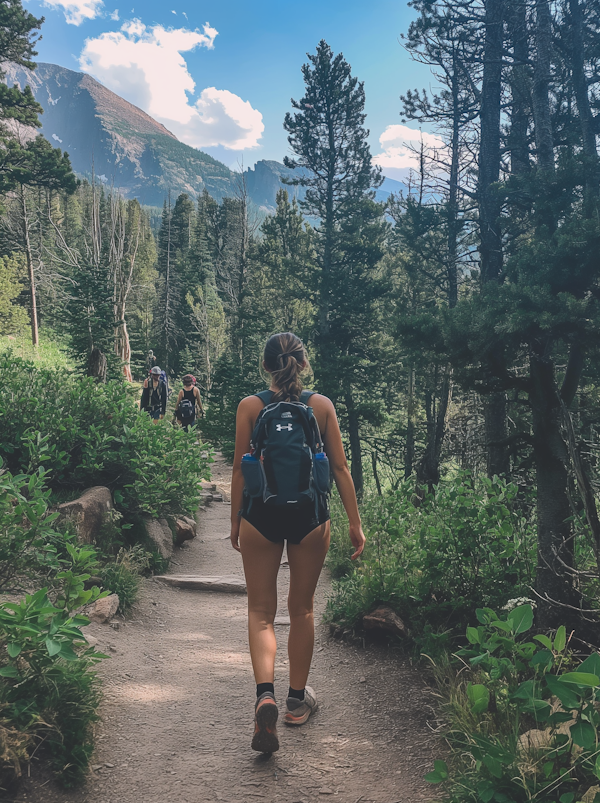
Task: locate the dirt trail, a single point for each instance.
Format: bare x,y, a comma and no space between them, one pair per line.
177,713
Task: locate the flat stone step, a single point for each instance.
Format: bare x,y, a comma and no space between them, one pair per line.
229,584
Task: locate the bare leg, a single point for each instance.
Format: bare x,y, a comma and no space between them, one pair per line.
261,564
306,561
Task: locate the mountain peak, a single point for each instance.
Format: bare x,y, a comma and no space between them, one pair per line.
132,152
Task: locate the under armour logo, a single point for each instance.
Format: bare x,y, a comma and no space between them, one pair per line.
284,426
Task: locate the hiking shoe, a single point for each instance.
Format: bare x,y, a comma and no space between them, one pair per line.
265,724
298,711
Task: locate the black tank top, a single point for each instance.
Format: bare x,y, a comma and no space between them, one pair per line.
189,395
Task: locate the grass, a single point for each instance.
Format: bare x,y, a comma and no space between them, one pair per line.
49,353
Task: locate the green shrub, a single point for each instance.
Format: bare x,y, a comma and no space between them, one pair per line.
94,434
523,718
122,576
48,687
47,684
26,534
467,546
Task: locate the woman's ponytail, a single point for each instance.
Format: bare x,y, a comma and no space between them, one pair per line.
285,359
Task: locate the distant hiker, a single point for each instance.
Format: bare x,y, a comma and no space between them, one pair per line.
154,395
150,361
285,441
189,403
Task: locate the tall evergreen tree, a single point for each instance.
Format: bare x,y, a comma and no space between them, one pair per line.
329,140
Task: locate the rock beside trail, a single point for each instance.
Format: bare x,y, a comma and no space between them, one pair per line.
185,530
224,583
385,620
88,512
103,610
159,533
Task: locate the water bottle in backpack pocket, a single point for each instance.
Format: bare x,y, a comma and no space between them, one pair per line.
254,475
321,473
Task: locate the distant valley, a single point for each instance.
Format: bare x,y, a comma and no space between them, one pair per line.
131,151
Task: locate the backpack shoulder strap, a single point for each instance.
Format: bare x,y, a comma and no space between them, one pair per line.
265,396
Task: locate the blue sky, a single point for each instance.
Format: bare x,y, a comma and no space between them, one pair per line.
221,75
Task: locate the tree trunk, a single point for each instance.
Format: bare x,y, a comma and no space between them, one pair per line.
494,416
554,583
167,311
376,472
29,257
428,470
580,84
520,90
122,344
490,248
409,455
541,85
356,466
96,366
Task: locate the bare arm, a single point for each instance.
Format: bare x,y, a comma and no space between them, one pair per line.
334,448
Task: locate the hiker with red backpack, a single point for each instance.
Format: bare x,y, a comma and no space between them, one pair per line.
155,395
286,441
189,403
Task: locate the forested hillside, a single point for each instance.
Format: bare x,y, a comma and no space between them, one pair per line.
455,327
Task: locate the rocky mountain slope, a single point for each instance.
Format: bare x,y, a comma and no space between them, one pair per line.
128,149
124,145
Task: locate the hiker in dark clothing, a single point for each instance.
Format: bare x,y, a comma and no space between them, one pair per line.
154,395
189,403
150,361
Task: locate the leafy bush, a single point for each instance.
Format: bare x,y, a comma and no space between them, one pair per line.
122,576
48,689
94,434
523,719
25,528
466,546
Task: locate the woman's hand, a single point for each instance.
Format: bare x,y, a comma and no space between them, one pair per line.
235,535
358,540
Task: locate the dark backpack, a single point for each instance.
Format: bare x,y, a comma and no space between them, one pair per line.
185,411
284,468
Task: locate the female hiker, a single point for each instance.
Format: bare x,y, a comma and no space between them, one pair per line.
188,403
154,395
284,504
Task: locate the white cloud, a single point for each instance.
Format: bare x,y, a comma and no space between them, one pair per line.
401,146
56,137
145,66
76,11
115,15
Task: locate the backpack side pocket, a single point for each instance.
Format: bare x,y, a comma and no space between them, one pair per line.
254,475
321,473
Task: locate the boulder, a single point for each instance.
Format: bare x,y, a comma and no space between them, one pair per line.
159,533
184,531
189,521
88,512
385,620
103,610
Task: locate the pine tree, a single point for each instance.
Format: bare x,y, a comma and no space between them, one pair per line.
328,137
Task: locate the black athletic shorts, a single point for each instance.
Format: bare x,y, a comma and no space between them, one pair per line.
279,524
